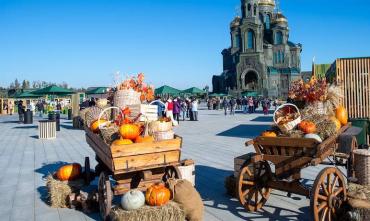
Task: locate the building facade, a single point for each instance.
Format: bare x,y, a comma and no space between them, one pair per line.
261,58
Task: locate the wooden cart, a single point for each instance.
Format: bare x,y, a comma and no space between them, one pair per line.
138,165
289,156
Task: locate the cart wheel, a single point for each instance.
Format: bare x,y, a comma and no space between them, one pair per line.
252,186
105,196
171,172
87,171
328,194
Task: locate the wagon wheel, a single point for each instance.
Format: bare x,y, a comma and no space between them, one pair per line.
252,186
171,172
87,171
105,196
328,194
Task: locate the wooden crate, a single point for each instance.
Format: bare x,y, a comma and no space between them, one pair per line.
149,112
239,162
127,158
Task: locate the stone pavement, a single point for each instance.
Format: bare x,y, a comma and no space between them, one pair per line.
212,142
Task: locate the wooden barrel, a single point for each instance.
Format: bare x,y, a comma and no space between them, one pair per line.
362,166
47,129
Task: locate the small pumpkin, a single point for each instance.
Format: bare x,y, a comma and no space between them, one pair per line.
307,127
269,134
336,122
129,131
146,139
132,200
157,195
122,142
69,172
95,125
342,115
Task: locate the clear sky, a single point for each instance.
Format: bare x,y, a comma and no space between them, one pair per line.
174,42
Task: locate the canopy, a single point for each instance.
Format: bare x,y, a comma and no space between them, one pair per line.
250,94
27,94
53,90
167,90
193,90
218,95
98,90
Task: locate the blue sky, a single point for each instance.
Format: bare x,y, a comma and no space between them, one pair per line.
174,42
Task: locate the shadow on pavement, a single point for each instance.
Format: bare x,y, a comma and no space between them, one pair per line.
25,127
244,131
267,119
210,184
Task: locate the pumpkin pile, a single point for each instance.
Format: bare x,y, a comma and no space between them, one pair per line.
320,113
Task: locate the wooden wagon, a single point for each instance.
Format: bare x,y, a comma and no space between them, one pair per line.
138,165
289,156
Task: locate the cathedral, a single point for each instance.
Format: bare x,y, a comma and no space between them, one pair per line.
261,59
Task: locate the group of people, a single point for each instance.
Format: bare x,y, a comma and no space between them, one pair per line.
245,104
177,108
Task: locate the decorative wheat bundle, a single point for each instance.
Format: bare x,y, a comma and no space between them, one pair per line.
109,133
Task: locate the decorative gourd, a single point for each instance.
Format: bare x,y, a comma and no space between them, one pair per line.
313,136
132,200
342,115
69,172
337,122
129,131
268,134
122,142
307,127
146,139
157,195
95,125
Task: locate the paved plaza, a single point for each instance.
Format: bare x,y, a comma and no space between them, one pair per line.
212,143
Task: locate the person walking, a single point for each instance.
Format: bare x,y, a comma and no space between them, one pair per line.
265,106
232,106
224,105
184,109
11,107
250,105
169,110
244,104
21,111
194,109
176,110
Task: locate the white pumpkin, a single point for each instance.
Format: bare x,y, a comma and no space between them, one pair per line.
313,136
132,200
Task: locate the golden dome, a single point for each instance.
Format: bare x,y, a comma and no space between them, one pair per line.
280,18
267,2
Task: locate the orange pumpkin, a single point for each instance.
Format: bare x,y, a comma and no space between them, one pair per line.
307,127
95,125
157,195
337,122
129,131
268,134
342,115
146,139
122,142
69,172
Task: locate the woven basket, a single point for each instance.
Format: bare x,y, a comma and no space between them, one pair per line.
168,135
122,98
362,166
290,125
158,126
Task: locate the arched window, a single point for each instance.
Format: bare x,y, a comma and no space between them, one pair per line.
255,10
279,57
261,18
236,41
279,38
267,21
250,39
249,9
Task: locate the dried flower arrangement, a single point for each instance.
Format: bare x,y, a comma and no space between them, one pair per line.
314,90
137,84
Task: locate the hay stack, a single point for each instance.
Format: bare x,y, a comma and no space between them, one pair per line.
359,201
169,212
58,191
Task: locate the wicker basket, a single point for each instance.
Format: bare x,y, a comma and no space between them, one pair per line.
362,166
122,98
168,135
290,125
158,126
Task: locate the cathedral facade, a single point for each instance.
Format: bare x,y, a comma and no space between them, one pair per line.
261,59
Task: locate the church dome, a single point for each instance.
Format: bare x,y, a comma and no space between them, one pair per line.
267,2
235,23
280,18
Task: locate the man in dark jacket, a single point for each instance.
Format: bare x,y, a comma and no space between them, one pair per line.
21,111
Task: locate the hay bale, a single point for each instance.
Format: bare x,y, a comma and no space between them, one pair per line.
58,191
359,200
169,212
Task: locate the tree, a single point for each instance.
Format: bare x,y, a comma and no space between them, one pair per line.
17,85
12,86
25,84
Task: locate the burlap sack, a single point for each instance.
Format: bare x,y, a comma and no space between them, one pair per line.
189,199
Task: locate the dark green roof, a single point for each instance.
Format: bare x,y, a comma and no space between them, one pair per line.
53,90
26,95
273,70
193,90
321,69
97,90
167,90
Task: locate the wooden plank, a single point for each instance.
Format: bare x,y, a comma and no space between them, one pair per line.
107,160
286,142
124,163
145,148
99,142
